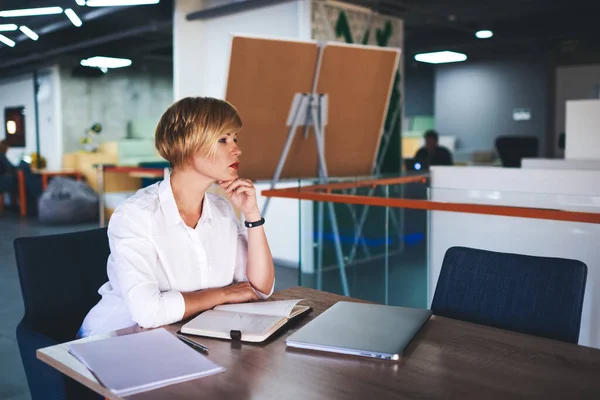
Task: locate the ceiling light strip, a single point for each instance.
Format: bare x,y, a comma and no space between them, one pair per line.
8,27
115,3
73,17
29,33
27,12
7,41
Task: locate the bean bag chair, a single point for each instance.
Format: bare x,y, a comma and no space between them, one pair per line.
67,201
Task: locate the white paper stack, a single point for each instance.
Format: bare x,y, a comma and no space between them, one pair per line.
142,361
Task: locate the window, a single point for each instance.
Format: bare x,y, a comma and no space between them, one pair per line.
14,126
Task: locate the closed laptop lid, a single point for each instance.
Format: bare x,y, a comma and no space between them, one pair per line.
361,328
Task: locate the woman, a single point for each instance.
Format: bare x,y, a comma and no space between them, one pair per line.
177,250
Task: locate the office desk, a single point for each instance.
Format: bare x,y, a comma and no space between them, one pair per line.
448,359
133,172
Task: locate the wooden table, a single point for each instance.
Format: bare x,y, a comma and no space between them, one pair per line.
447,359
46,175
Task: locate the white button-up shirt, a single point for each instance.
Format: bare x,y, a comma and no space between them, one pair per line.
155,257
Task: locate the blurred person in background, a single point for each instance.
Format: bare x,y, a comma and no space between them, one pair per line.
432,153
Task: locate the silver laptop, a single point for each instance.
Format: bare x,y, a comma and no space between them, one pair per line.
368,330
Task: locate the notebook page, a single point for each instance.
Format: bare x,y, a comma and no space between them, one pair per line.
142,361
224,322
280,308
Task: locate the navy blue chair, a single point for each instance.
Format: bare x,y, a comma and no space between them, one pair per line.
151,165
535,295
60,276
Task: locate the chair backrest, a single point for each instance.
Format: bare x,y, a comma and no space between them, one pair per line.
60,276
536,295
512,149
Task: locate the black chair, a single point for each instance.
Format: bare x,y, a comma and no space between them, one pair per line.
33,188
60,276
512,149
535,295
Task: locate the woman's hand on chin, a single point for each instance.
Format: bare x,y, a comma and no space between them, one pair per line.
242,194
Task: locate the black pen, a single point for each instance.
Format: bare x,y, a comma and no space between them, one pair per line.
194,345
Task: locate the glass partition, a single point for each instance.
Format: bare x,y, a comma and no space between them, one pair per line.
374,253
378,238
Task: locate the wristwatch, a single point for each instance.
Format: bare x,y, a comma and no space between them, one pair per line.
254,224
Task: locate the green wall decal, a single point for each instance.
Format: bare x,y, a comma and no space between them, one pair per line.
342,28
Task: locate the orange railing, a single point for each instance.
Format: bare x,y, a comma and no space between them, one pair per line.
155,172
323,193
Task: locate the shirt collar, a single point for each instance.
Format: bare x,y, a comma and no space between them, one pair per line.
169,206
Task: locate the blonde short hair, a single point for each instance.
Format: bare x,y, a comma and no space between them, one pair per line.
192,125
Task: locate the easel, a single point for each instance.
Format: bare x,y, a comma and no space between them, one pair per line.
310,109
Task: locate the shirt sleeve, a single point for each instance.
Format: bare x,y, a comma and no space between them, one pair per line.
242,260
135,266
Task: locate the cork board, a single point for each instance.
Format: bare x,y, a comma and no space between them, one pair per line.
264,75
358,81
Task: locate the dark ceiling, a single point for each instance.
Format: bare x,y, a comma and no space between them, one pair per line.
519,26
141,33
144,33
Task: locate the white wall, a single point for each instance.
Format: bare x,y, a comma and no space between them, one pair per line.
573,83
112,100
19,91
583,130
474,101
201,48
558,189
50,117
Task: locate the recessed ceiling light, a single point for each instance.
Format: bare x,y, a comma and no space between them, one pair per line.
80,2
113,3
31,11
485,34
440,57
7,41
29,33
73,17
106,62
8,27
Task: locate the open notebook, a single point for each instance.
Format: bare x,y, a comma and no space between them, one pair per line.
255,321
142,361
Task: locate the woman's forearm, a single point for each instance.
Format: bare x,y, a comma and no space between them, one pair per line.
196,302
259,270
